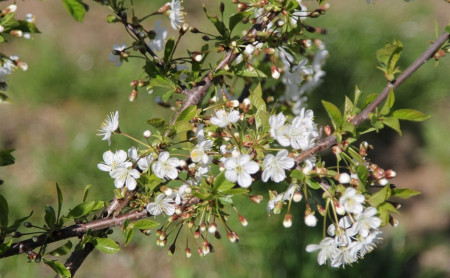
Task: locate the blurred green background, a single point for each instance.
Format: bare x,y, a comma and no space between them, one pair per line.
70,87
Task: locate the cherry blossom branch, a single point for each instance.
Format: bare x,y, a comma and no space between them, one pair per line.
358,119
77,230
196,94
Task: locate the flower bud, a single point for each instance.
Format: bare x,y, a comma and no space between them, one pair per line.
147,134
172,249
196,56
339,209
243,220
197,233
344,178
256,199
27,224
327,130
205,247
231,237
383,182
133,95
188,252
166,190
389,174
16,33
297,197
212,228
310,220
287,222
275,72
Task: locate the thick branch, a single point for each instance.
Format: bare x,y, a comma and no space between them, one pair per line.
358,119
76,230
75,260
196,94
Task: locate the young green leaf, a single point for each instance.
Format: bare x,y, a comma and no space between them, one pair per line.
334,113
221,183
380,197
386,108
86,192
76,8
188,113
85,209
58,267
106,245
128,234
410,115
237,18
393,123
50,216
145,224
60,201
404,193
5,246
168,50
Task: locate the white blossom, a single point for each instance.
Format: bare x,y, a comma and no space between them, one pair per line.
239,168
352,201
275,166
283,196
200,152
157,43
278,129
144,162
367,244
328,250
223,119
109,126
366,221
176,14
311,220
112,161
117,58
125,176
166,166
161,204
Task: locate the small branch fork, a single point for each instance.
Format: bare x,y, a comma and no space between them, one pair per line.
194,96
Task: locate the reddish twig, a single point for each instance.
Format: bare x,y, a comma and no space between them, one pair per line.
358,119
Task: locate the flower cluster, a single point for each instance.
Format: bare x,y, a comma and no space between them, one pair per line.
353,236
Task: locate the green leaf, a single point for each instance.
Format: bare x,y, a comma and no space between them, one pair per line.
334,113
5,246
261,116
388,58
106,245
145,224
220,26
158,123
182,126
393,123
128,234
50,216
363,173
410,115
404,193
388,103
3,97
237,18
383,215
6,158
62,250
236,191
168,50
58,267
86,192
188,113
380,197
368,100
221,183
297,174
348,107
85,209
17,223
76,8
313,184
60,200
4,211
358,94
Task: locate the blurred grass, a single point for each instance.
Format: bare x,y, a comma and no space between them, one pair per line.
70,87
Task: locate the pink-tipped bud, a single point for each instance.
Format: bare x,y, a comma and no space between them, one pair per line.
321,210
287,222
188,252
327,130
256,199
203,227
166,190
162,235
336,150
197,233
339,209
243,221
231,237
205,247
275,72
383,182
133,95
390,174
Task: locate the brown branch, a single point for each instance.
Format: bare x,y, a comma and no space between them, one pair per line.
77,230
358,119
196,94
75,260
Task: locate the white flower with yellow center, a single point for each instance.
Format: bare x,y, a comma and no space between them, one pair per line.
352,201
223,119
109,126
239,167
166,167
176,14
275,166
